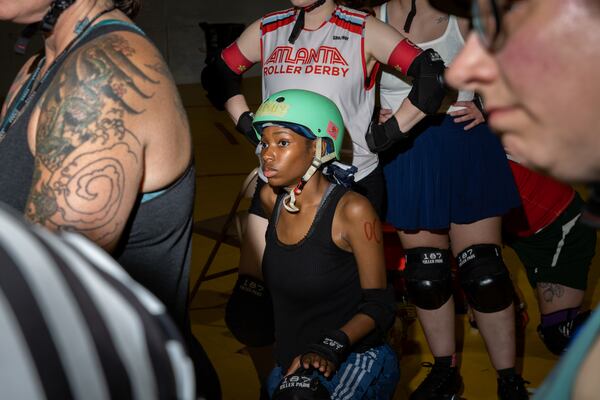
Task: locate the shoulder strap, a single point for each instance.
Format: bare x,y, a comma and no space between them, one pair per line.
383,13
327,209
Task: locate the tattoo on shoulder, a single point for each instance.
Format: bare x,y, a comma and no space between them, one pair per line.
160,67
550,291
443,19
83,140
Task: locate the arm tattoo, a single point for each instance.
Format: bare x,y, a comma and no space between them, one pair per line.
550,291
443,19
160,67
83,142
372,230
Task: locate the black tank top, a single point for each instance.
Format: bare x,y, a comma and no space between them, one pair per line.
155,246
314,284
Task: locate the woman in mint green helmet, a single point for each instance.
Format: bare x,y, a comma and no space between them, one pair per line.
323,262
311,115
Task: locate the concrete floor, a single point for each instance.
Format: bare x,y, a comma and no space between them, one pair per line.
223,159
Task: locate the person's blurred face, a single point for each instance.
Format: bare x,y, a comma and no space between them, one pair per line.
23,11
541,84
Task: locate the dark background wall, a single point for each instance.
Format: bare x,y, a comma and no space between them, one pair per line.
172,25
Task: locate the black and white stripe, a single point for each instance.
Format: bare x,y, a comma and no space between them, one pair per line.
74,325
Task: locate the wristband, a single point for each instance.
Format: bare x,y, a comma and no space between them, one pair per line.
333,346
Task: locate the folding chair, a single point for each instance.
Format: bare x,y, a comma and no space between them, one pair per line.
228,229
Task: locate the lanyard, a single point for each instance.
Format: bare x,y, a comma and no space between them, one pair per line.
28,90
20,100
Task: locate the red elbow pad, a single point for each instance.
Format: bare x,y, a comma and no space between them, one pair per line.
235,60
403,55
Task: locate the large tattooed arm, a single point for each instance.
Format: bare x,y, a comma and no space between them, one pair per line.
89,156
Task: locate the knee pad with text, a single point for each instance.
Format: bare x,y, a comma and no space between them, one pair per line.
428,277
484,278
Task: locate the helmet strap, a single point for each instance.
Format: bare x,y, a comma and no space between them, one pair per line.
410,16
56,9
289,201
299,24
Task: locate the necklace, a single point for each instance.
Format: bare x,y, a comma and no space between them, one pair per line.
30,88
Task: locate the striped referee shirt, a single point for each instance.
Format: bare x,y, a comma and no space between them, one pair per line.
74,325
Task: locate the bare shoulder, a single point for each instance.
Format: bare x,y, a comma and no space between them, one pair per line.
133,54
96,117
373,23
249,41
380,39
354,207
356,223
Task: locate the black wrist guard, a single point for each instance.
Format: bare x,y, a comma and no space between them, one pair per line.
428,89
302,384
381,137
333,346
244,126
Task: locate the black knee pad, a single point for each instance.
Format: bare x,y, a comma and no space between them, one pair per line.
556,337
249,312
484,278
428,277
301,385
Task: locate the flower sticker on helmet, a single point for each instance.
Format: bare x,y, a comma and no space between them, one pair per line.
332,130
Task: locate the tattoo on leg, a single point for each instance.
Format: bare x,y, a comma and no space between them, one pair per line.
550,291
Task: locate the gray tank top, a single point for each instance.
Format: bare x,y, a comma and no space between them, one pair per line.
155,245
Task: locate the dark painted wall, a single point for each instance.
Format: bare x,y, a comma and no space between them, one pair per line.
172,25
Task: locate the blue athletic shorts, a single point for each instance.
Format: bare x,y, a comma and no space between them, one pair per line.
373,374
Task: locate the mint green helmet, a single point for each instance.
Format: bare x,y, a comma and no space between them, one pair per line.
306,113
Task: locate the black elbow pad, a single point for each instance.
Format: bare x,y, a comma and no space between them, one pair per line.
428,88
220,82
380,305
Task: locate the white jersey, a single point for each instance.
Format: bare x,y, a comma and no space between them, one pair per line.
394,88
330,61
